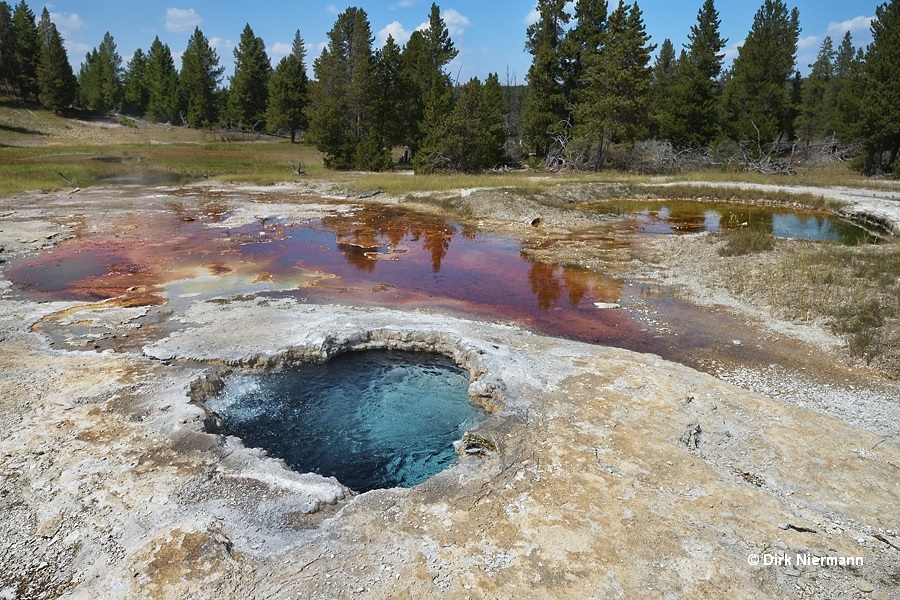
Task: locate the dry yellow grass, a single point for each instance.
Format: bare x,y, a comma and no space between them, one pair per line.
856,289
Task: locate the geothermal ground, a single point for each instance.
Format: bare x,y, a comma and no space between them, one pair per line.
716,452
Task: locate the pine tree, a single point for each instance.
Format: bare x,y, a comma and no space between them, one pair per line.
879,116
55,77
412,64
701,92
199,78
581,45
842,70
817,111
544,110
614,105
662,93
100,77
796,102
425,57
250,82
687,107
393,102
341,123
135,95
706,43
757,99
161,80
493,122
470,138
438,89
844,57
44,26
27,52
7,47
289,92
850,88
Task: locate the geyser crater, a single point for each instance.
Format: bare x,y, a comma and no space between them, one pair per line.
372,419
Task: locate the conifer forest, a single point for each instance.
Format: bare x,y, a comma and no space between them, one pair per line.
598,92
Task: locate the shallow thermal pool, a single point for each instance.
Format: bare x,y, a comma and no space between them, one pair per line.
375,419
683,216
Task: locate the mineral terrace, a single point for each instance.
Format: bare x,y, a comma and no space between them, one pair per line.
602,473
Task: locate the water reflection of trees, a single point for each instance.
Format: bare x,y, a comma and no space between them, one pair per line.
372,229
385,229
544,284
548,281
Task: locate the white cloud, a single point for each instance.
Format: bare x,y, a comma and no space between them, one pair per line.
731,51
395,30
808,42
856,26
456,22
807,51
535,15
279,49
66,23
77,51
404,4
332,9
179,19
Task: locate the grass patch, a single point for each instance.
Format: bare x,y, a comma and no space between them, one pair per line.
265,163
403,183
746,240
737,194
856,289
836,174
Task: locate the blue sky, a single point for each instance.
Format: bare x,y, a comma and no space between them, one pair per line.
490,34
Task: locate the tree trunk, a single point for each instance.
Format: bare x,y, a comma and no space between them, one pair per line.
894,150
869,165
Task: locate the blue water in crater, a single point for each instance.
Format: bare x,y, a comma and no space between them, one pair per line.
376,419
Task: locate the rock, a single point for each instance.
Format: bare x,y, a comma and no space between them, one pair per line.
607,305
865,586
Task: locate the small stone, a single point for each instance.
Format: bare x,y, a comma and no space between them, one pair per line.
736,342
607,305
865,586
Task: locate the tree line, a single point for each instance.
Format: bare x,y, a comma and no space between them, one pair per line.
593,85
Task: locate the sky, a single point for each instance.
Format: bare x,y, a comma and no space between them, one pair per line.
489,34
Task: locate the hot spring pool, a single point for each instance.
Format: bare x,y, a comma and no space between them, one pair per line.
375,419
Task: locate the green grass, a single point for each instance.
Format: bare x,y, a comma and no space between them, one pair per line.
746,240
24,169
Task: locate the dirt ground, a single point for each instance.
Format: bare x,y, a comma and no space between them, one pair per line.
601,473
